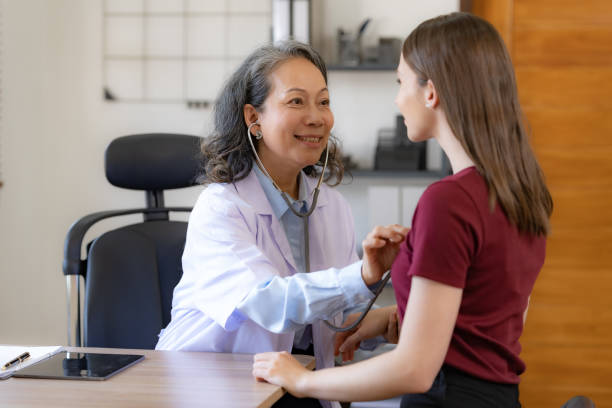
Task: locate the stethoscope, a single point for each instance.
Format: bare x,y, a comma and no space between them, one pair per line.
304,216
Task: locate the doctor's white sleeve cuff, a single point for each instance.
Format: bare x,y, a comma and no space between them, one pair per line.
352,283
286,304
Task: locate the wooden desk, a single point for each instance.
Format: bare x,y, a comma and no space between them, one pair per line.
163,379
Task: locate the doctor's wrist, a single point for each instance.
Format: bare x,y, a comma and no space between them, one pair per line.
368,278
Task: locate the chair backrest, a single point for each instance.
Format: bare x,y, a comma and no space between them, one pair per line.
130,272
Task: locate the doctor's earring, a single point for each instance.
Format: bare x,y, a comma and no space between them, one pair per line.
258,134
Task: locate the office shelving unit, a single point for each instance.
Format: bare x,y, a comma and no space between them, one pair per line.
177,51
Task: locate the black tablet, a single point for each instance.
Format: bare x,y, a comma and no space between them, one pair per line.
79,366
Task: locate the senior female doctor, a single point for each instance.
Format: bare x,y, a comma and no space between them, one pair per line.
250,238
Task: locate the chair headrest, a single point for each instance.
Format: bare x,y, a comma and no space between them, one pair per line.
153,161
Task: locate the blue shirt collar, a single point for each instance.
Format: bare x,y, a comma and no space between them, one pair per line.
279,206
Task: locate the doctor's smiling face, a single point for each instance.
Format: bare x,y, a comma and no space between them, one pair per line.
295,119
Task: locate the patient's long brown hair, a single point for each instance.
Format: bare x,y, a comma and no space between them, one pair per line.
469,65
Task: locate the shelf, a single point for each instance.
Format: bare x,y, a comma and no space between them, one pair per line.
362,67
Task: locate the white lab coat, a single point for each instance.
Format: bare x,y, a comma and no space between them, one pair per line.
234,242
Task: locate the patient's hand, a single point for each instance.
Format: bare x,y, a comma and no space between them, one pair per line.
282,369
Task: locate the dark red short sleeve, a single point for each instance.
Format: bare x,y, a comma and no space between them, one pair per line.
445,234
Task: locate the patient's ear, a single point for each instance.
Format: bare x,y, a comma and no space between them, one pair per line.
250,114
431,95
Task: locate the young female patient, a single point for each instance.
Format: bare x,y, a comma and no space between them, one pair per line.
464,275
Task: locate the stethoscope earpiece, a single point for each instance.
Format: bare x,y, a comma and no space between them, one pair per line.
258,135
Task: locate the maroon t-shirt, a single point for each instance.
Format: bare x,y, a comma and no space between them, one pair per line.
456,240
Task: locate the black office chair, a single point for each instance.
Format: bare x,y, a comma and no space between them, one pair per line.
579,402
130,272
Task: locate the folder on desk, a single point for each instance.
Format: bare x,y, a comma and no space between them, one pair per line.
9,353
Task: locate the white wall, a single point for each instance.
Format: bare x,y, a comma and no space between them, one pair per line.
55,127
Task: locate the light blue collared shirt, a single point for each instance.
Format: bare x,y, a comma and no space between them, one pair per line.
292,224
294,230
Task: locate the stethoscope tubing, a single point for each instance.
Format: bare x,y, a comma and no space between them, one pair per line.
304,216
356,323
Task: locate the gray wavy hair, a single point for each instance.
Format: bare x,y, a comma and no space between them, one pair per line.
227,152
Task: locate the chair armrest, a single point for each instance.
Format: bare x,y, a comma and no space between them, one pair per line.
73,265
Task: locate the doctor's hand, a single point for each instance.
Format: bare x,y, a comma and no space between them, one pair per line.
281,368
380,247
378,322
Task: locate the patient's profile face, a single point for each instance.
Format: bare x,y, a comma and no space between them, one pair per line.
412,103
296,119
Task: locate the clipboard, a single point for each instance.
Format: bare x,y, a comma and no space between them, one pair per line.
79,366
38,353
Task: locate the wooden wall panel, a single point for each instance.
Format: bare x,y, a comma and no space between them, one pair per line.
564,372
579,168
591,212
559,45
569,128
570,12
565,87
571,305
579,248
562,51
592,363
